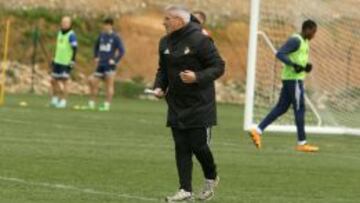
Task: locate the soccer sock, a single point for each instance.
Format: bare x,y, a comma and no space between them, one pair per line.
302,142
107,105
258,130
91,104
54,100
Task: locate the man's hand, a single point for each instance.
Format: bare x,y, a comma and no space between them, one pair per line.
112,62
188,76
298,68
158,93
96,60
308,68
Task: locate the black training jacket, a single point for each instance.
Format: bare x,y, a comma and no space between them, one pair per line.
189,105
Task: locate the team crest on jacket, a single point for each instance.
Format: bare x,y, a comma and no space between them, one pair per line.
167,51
187,50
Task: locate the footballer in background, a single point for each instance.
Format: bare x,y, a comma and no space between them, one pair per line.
63,63
108,51
295,56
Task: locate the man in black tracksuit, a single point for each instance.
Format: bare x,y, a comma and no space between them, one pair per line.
189,63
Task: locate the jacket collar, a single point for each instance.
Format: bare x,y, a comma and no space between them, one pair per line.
183,32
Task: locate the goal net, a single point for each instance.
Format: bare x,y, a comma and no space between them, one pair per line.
332,88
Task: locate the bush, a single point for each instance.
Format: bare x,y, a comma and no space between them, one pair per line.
38,13
129,89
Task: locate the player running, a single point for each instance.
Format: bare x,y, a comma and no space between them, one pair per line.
108,51
295,56
63,62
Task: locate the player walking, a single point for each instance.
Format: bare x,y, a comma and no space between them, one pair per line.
295,56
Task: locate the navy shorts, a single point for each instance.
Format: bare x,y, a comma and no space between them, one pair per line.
60,71
103,71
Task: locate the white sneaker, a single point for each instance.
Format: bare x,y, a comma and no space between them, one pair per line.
208,191
54,101
180,196
61,104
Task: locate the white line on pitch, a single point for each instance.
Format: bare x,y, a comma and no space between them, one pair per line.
73,188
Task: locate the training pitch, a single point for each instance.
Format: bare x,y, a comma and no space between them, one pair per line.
126,155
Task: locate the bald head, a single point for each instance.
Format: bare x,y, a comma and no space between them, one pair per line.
66,23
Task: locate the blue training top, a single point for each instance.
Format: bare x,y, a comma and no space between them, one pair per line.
108,46
73,40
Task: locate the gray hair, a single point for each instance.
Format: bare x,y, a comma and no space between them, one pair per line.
179,11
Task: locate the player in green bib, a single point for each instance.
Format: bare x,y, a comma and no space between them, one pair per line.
295,56
63,62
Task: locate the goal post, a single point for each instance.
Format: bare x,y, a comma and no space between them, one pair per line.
4,62
251,64
332,89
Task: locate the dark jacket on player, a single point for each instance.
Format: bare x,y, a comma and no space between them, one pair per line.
189,105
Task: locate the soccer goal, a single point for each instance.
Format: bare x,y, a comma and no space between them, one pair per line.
332,88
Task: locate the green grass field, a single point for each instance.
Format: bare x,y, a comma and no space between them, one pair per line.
126,155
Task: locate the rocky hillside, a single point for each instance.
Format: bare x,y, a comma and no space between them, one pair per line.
138,21
215,8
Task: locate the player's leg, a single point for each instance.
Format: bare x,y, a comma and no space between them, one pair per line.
109,83
281,107
54,92
298,102
63,86
199,143
54,81
94,81
299,111
109,90
183,155
63,93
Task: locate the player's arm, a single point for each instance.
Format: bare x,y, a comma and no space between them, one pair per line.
119,49
96,48
290,46
74,45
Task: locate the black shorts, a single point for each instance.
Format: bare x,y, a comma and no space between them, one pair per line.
103,71
60,71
